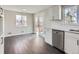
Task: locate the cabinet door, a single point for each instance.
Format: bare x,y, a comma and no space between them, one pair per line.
57,11
48,36
71,44
1,45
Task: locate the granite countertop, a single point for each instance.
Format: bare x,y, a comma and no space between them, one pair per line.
75,32
68,30
64,28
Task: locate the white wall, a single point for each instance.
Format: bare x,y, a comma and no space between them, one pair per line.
10,23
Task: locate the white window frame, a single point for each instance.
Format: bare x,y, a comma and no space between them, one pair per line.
21,22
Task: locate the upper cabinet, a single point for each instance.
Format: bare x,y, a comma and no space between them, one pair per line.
57,12
54,13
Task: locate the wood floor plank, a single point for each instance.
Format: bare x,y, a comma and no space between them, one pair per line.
28,44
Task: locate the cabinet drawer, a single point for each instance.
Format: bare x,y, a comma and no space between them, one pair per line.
72,35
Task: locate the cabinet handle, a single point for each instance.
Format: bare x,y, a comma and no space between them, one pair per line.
78,42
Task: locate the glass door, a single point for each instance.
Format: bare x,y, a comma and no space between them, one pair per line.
39,28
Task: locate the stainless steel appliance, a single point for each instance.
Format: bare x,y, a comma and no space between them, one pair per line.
58,39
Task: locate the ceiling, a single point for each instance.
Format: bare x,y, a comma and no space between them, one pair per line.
26,8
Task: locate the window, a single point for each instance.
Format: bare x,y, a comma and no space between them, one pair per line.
70,14
21,20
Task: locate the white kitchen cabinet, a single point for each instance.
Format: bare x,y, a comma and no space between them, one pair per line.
1,45
48,36
57,12
54,13
71,43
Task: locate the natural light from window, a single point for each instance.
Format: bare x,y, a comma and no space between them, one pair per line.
21,20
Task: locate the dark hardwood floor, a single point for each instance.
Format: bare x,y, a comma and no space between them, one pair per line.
28,44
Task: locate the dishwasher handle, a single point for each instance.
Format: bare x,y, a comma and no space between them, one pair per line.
55,32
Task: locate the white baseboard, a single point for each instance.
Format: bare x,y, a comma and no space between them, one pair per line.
16,34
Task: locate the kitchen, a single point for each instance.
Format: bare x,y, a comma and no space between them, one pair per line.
56,22
59,26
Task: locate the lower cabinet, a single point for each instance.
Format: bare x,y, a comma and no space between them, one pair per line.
1,45
48,36
71,43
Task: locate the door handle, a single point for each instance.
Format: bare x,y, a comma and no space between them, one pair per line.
77,42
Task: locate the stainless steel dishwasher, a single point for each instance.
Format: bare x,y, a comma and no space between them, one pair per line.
58,39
